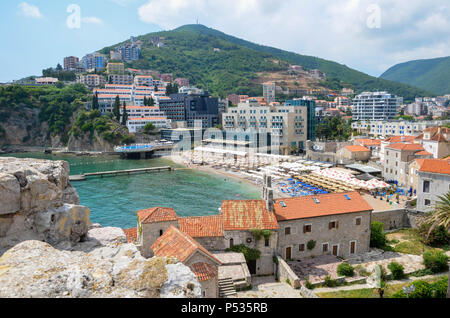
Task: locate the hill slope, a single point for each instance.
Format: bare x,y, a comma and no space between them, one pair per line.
189,52
432,74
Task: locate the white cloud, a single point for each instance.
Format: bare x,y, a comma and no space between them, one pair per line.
92,20
123,3
331,29
29,10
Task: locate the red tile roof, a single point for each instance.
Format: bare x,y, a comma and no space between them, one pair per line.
406,147
356,148
329,204
435,166
157,214
174,243
131,234
204,271
203,226
394,139
423,153
368,142
247,215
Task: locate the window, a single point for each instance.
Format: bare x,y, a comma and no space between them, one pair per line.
307,228
231,243
160,232
325,247
267,242
301,247
427,202
358,221
287,230
333,225
426,186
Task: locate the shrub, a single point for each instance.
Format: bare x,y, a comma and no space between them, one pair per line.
345,269
310,245
397,270
440,288
377,235
422,290
329,282
250,254
438,237
275,260
436,261
309,285
288,281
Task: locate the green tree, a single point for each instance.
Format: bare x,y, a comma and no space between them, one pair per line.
116,109
125,114
149,128
377,235
151,102
95,104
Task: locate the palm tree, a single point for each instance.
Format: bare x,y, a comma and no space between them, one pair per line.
440,217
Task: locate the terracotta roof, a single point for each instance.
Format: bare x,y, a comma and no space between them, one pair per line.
368,142
356,148
202,226
437,133
174,243
399,139
407,147
204,271
131,234
435,166
247,215
329,204
423,153
157,214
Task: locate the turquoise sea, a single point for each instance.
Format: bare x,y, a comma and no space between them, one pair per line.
114,200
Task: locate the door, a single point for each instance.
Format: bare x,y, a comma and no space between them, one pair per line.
335,250
352,247
288,253
252,267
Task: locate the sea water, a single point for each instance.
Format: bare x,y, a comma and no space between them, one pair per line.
114,200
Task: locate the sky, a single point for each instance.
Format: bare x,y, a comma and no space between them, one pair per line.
367,35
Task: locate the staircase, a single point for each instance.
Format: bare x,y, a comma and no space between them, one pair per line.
226,288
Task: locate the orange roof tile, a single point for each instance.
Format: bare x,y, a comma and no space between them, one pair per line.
368,142
399,139
423,153
202,226
131,234
407,147
204,271
356,148
329,204
247,215
435,166
174,243
157,214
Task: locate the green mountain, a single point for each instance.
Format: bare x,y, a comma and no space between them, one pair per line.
432,74
189,52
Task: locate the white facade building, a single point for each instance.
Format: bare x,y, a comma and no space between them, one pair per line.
375,106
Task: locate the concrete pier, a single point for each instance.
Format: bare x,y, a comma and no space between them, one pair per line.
83,177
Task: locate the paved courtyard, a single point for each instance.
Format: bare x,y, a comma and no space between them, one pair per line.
317,268
268,287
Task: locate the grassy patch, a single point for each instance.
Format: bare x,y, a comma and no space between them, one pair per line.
391,289
408,241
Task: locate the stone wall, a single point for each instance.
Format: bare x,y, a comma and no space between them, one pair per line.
284,273
212,243
392,219
37,202
150,233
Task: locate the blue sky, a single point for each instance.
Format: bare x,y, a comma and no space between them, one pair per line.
367,35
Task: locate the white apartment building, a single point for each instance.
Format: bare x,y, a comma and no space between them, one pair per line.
137,124
91,80
394,128
120,79
143,111
289,123
269,92
375,106
143,80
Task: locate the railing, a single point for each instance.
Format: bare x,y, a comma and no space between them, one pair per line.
142,147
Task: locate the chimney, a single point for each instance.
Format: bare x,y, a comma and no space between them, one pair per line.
403,138
269,200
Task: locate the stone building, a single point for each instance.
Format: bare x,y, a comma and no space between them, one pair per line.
337,224
435,140
433,181
350,154
174,243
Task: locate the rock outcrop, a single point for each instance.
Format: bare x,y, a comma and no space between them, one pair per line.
49,248
37,202
36,269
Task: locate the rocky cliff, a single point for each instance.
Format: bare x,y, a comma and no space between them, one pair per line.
49,248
